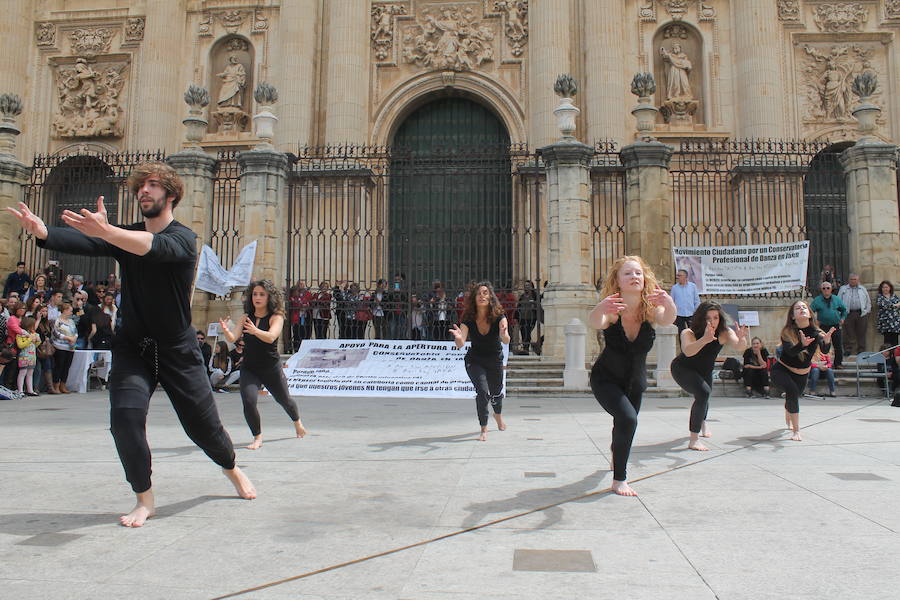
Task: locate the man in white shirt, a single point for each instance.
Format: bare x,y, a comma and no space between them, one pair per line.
856,298
686,298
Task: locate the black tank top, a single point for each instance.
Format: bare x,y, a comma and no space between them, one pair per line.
258,355
798,357
487,346
703,361
624,362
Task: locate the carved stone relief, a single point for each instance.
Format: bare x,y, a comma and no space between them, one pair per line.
231,75
789,10
647,11
676,8
892,9
515,23
134,29
89,42
382,31
231,19
450,37
89,99
204,27
840,17
677,71
827,73
45,34
260,22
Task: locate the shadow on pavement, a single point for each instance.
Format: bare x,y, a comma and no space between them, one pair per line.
429,443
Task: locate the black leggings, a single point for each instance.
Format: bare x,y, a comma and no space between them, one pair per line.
62,360
180,369
276,383
791,384
699,386
756,379
525,328
487,377
624,408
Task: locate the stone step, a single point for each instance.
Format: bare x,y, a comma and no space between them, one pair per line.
530,374
534,382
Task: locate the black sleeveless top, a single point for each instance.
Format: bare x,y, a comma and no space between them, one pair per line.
624,362
487,346
258,355
793,355
702,362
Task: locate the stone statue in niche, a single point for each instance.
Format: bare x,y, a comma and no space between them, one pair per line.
234,81
680,104
89,101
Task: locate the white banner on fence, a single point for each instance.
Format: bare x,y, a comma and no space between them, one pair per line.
745,269
380,368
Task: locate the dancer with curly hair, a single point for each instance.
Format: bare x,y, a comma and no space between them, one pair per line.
483,321
632,304
260,328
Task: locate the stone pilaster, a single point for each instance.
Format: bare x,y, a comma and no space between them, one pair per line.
347,75
872,210
297,81
570,294
757,58
14,176
648,205
264,174
605,84
196,169
549,47
17,33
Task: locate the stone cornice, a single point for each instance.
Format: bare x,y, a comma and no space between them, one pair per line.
646,154
263,161
567,154
193,162
12,171
863,155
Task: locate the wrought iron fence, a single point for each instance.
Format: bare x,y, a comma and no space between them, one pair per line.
74,182
727,193
607,208
224,232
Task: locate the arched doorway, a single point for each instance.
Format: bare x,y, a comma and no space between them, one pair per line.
825,215
451,196
73,184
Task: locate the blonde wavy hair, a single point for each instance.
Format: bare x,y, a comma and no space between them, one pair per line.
169,179
790,331
611,284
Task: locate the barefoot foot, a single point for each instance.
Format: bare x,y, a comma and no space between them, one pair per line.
705,431
696,445
298,427
256,444
483,436
796,437
241,483
622,488
143,510
501,425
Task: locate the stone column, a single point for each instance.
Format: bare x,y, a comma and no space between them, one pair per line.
648,229
605,85
14,176
161,56
264,174
549,54
570,294
297,79
196,169
347,79
17,32
757,59
872,210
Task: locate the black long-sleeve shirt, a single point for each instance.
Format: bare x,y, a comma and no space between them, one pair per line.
156,287
798,356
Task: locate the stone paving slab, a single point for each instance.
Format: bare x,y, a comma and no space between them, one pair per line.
758,516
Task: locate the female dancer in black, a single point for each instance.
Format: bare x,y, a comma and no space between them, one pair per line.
692,369
632,304
485,324
799,339
260,329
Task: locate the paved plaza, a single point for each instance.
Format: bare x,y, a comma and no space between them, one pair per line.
757,517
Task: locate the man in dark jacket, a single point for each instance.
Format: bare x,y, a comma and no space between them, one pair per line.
15,281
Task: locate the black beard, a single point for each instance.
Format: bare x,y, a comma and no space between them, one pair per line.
155,209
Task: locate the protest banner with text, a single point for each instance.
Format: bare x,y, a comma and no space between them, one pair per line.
745,269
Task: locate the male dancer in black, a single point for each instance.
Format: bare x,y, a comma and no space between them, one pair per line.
155,342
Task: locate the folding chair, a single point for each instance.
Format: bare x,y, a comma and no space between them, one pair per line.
872,358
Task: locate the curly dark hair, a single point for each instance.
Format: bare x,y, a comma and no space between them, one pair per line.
470,307
698,319
168,177
275,305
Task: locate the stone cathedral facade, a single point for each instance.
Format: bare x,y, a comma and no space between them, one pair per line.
101,78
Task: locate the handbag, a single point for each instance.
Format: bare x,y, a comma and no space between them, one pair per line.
46,349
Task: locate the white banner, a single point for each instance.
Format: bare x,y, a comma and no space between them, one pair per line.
380,368
745,269
212,277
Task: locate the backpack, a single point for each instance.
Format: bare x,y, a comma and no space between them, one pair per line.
731,369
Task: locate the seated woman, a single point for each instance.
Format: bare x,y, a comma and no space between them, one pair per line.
821,366
221,368
756,371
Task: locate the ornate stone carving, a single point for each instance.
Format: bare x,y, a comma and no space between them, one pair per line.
828,75
680,104
675,8
789,10
88,42
647,11
237,45
260,22
89,100
134,29
45,34
676,31
231,120
382,33
841,17
234,82
516,23
705,11
204,27
454,39
892,9
232,19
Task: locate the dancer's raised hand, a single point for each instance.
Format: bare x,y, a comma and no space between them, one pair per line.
828,334
659,297
458,336
805,340
743,332
89,223
612,304
709,334
29,221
